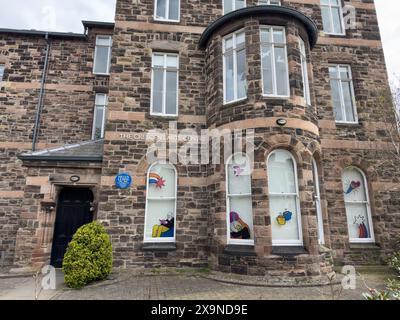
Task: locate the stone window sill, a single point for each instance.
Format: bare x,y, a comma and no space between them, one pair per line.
348,124
288,250
364,246
239,250
163,117
157,246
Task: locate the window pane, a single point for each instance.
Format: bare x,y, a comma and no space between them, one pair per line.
333,72
357,220
281,71
306,87
101,99
172,61
239,4
267,70
278,35
228,6
283,212
161,9
241,73
173,9
240,38
160,219
326,19
98,122
344,73
281,178
229,95
353,186
103,41
171,93
161,181
326,2
158,60
228,43
158,81
339,116
239,178
337,20
101,62
265,35
348,101
241,218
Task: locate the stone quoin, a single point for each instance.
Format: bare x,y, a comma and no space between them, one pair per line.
75,110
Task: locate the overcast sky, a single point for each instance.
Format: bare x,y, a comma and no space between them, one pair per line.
56,15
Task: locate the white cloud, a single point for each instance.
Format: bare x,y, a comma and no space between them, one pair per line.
64,16
389,23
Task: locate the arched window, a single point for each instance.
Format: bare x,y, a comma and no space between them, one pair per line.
238,201
160,213
357,205
317,199
284,199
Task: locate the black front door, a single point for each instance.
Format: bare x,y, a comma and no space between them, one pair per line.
73,211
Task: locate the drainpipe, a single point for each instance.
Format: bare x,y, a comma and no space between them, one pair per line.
36,128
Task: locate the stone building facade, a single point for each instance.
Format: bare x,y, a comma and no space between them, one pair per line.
313,105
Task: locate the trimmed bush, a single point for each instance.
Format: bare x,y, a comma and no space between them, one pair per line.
88,257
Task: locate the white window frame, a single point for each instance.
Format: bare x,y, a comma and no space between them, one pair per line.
330,6
234,51
248,242
353,97
273,44
165,69
317,199
96,106
304,72
167,12
367,203
160,240
268,3
109,54
233,6
277,243
2,70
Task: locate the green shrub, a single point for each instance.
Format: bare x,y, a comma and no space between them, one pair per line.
394,262
88,257
392,291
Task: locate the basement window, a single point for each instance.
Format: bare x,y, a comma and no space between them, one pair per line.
102,55
167,10
99,118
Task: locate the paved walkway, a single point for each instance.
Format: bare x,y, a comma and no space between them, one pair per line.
131,286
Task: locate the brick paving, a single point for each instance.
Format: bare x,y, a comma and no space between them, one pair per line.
194,287
128,285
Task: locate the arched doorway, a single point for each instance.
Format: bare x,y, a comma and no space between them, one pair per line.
73,211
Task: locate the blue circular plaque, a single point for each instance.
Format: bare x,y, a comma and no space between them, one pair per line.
123,181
